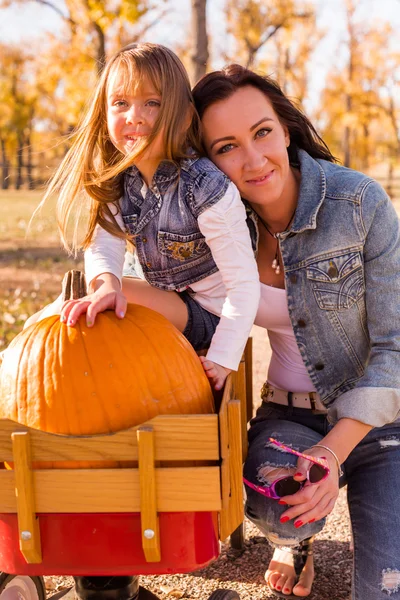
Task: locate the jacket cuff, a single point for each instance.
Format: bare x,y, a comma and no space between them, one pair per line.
375,406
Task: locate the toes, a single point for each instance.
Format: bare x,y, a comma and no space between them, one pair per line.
287,587
301,590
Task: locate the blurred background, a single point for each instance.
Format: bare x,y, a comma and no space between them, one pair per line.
338,59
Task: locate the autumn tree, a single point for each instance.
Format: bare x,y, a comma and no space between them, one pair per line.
61,74
359,107
199,55
253,23
18,100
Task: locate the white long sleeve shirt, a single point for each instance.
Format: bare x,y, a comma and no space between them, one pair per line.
232,293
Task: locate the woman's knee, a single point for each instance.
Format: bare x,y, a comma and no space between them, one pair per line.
264,464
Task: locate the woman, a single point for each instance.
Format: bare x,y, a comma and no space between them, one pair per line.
328,253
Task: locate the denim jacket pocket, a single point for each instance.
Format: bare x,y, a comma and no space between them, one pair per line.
130,222
338,281
182,248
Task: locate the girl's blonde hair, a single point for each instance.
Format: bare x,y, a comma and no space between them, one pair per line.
93,166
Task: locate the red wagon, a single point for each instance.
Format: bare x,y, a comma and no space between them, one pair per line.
165,513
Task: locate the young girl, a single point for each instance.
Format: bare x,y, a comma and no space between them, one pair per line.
138,159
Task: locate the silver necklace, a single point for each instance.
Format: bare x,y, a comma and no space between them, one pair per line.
276,263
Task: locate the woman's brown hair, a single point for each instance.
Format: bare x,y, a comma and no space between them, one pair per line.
220,85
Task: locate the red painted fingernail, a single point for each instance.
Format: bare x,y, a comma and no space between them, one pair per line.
284,519
298,475
278,587
298,523
311,521
282,502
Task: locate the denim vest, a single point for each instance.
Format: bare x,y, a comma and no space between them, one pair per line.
341,260
171,250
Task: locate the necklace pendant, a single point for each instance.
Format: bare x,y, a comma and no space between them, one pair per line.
277,270
275,264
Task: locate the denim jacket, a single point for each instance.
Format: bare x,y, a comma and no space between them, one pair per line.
170,248
342,275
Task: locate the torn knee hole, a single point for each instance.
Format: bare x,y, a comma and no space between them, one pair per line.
269,473
390,581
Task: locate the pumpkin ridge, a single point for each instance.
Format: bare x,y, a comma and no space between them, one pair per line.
169,372
87,332
161,362
143,381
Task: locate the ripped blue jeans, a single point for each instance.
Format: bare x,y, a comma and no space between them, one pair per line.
372,475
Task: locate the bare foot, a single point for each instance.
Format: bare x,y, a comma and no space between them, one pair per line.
281,575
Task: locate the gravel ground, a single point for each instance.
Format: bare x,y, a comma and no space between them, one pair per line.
244,571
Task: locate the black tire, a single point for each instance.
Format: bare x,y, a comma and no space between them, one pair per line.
224,595
36,583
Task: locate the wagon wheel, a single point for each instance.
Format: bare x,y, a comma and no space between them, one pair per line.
224,595
19,587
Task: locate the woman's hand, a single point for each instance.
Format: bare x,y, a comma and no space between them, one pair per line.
108,295
313,501
215,372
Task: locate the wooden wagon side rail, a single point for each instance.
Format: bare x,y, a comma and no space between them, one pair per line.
180,437
149,489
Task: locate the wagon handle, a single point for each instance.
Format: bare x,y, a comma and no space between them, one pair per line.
73,285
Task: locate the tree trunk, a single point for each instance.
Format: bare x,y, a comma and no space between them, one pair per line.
5,166
100,48
20,162
29,165
200,54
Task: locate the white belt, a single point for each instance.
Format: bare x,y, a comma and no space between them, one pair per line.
310,400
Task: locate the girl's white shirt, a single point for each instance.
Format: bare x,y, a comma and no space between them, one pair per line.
232,293
286,369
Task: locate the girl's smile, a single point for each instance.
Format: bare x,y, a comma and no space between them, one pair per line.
131,117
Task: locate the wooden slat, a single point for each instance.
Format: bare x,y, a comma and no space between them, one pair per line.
235,465
248,355
239,393
148,496
180,438
116,490
224,445
28,524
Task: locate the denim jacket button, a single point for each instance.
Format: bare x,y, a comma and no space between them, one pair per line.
144,240
301,323
319,366
293,278
333,271
148,264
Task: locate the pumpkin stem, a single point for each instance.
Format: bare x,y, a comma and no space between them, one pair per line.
73,285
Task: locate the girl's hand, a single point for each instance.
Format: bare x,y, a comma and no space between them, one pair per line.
313,501
92,304
215,372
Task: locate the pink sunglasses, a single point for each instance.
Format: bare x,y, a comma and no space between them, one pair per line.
285,486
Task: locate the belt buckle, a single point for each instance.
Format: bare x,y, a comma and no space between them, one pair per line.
266,391
311,396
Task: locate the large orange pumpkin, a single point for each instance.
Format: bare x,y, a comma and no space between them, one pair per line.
115,375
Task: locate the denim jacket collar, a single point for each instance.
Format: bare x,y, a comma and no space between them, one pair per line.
166,172
312,193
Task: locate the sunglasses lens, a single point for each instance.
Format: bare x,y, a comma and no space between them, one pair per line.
287,486
316,473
